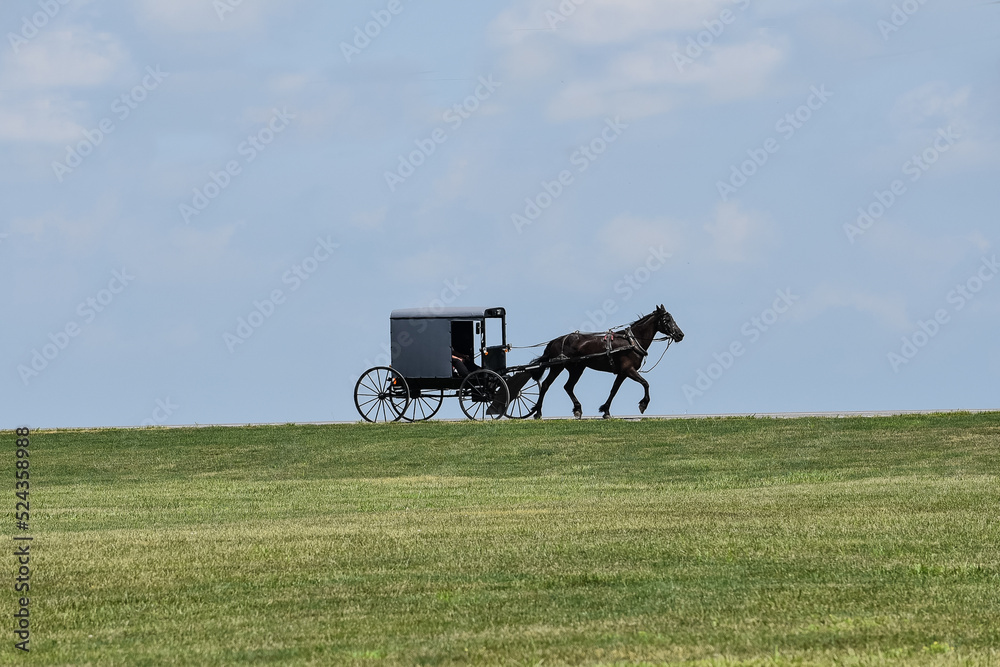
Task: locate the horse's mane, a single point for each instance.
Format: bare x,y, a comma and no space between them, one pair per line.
645,317
642,320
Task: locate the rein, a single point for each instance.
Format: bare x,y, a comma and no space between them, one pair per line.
645,353
669,341
528,347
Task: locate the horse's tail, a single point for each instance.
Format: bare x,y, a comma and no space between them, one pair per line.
552,350
537,373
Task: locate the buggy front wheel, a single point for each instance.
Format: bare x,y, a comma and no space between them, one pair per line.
483,395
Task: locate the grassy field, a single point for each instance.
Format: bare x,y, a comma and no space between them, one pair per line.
710,542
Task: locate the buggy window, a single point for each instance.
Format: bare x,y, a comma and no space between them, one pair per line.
494,332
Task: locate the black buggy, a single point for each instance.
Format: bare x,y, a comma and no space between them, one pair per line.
443,352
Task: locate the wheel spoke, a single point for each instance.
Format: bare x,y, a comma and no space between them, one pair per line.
381,395
522,405
424,406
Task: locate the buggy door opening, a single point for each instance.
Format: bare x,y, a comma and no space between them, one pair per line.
463,338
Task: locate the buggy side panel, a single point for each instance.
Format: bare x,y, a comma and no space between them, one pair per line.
421,348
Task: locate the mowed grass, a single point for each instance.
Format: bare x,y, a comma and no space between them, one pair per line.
715,542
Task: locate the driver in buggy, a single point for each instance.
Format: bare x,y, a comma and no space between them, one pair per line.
461,364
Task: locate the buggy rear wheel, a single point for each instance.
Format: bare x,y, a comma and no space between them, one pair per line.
381,395
483,395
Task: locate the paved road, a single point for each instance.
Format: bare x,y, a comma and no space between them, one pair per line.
758,415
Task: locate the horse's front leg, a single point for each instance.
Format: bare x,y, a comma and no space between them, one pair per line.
644,403
606,408
574,376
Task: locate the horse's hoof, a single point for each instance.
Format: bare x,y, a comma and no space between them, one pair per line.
642,408
578,414
538,415
607,415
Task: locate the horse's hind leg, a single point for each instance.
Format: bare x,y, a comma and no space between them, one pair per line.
546,383
574,376
606,408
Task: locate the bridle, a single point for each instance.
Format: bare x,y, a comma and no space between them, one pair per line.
667,337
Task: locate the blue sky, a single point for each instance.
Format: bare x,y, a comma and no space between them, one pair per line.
810,189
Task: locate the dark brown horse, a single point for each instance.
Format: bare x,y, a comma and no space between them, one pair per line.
619,352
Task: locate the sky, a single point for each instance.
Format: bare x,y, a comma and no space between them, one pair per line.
211,207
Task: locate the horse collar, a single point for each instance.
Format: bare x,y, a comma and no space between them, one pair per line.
635,343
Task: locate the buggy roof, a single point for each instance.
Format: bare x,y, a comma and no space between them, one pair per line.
446,313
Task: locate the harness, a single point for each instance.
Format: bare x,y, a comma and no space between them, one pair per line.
633,343
609,349
609,345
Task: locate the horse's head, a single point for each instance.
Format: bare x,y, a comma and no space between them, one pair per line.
665,324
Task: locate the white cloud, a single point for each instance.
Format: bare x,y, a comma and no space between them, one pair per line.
190,255
200,16
646,81
618,56
73,57
453,185
836,36
428,267
738,71
738,236
38,118
535,60
929,257
627,239
931,106
890,311
80,234
324,109
370,219
39,81
597,22
609,96
183,15
204,245
919,114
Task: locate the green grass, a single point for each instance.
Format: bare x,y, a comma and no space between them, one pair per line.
710,542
